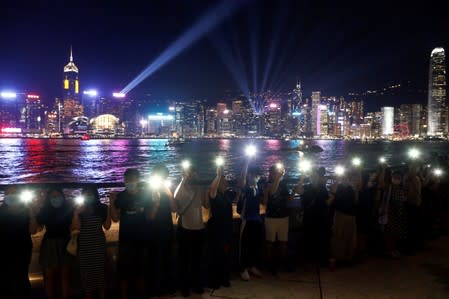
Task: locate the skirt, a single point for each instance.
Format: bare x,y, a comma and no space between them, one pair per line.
53,253
344,237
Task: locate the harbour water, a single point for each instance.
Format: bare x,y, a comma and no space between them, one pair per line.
99,161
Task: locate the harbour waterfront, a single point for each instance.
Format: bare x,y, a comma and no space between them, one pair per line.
105,160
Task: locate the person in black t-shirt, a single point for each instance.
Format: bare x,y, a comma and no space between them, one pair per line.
315,201
160,235
276,198
130,206
17,224
344,230
56,215
219,228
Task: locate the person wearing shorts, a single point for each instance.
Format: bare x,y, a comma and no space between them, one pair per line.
276,197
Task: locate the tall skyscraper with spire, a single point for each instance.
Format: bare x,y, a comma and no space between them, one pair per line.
71,105
297,98
437,120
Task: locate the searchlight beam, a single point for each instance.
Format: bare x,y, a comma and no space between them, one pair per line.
209,21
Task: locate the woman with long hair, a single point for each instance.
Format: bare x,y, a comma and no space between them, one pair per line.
89,219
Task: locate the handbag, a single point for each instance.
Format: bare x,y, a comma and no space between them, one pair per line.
72,246
180,214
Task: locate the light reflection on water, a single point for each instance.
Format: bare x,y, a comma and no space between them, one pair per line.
72,160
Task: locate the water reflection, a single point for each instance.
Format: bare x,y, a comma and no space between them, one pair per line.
70,160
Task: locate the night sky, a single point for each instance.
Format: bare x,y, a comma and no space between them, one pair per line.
335,46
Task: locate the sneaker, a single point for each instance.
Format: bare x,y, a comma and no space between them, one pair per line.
244,275
254,271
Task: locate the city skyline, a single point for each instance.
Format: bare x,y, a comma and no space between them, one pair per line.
315,43
239,115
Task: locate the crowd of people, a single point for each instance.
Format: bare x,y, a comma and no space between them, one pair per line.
344,218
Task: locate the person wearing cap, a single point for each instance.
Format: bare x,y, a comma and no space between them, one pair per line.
276,197
189,200
248,206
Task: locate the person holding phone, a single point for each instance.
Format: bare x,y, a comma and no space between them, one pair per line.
248,206
276,198
130,206
17,224
315,201
160,234
90,218
190,199
219,228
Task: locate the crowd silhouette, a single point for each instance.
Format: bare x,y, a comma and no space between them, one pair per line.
342,219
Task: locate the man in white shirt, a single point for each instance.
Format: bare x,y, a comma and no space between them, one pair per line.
189,199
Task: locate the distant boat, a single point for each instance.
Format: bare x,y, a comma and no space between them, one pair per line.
310,149
305,149
175,141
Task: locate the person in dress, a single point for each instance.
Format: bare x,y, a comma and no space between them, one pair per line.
90,218
56,216
393,215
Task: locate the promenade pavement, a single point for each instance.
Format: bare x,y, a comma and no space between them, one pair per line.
422,276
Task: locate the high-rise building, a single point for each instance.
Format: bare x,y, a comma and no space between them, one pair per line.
323,128
211,122
356,112
33,118
415,120
387,121
71,105
297,99
437,105
189,118
90,101
315,117
221,108
12,111
272,119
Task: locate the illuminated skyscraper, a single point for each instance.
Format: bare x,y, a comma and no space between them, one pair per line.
315,117
437,106
33,114
71,83
297,99
189,118
387,121
71,104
